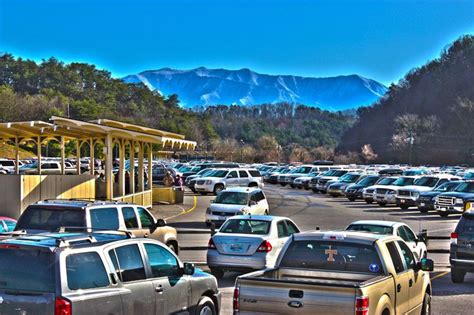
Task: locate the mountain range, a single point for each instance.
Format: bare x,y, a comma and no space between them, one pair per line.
205,87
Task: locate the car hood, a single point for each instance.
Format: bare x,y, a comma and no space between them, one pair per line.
430,194
458,194
226,208
392,187
304,177
417,188
358,186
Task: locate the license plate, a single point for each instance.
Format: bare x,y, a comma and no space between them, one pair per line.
422,204
222,218
236,247
402,200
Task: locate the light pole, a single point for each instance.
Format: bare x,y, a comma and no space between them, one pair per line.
242,143
410,140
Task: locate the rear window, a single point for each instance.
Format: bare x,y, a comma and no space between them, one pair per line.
245,226
254,173
37,218
466,226
332,256
85,271
378,229
7,163
27,270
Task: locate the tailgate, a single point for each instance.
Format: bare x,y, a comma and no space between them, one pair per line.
20,303
267,297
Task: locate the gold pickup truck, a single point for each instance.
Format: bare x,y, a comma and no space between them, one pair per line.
338,273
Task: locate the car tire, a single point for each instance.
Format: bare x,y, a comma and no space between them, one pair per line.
423,210
426,308
323,192
443,214
369,202
283,185
218,188
217,272
208,223
457,275
381,204
352,199
404,207
205,306
315,190
172,246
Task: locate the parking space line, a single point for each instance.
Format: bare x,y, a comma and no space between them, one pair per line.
184,211
444,273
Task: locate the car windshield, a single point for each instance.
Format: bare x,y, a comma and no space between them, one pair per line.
371,228
304,170
219,173
205,171
426,181
403,181
349,178
44,219
27,270
469,175
338,173
447,187
231,198
465,187
246,226
368,181
332,256
386,181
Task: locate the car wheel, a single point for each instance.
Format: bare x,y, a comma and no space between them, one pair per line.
404,207
423,210
369,202
351,199
208,223
205,307
172,246
323,192
217,272
443,214
283,185
218,188
382,204
292,186
315,190
426,309
457,275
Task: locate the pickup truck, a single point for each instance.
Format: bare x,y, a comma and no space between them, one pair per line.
338,273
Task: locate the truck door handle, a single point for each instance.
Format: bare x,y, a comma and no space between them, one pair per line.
399,287
159,288
410,283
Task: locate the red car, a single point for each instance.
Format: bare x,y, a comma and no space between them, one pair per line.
7,224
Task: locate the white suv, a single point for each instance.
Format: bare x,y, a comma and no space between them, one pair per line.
237,201
222,179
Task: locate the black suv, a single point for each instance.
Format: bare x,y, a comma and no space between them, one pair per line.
461,254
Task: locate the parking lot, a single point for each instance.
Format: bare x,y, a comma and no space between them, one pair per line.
310,210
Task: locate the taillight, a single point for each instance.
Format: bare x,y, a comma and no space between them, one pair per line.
454,238
62,306
265,247
211,244
362,305
235,300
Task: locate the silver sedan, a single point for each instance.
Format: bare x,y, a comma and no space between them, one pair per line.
248,242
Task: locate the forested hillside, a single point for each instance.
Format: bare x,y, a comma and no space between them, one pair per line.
35,91
428,115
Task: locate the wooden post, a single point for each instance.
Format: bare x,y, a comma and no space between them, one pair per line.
141,183
92,156
109,181
38,153
78,156
150,166
63,165
132,167
17,156
121,172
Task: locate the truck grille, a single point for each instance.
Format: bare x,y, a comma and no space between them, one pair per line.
323,181
369,191
404,193
381,191
425,199
200,182
314,180
446,201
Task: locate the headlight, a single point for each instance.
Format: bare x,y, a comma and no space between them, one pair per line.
468,206
208,182
416,195
459,201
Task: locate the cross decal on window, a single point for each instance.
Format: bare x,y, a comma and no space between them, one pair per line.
330,252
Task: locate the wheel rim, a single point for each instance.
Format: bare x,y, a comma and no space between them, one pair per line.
206,310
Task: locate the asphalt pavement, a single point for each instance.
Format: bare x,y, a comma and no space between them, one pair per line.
310,211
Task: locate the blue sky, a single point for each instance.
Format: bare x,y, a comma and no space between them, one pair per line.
380,39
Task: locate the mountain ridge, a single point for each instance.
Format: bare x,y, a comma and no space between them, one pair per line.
206,87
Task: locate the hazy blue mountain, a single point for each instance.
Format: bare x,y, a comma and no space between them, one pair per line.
203,87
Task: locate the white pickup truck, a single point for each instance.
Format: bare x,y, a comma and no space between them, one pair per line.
338,273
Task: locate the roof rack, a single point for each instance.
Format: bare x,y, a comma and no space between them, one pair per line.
65,229
90,201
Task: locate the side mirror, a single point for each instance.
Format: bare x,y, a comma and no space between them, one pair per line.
252,203
213,229
160,223
426,264
230,176
188,269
